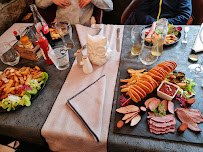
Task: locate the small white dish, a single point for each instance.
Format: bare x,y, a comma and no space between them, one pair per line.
167,86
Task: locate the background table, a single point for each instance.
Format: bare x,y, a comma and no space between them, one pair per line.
125,143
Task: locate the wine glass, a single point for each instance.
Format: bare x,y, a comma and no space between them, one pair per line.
148,54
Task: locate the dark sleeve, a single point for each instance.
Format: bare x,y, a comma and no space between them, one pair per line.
184,13
141,13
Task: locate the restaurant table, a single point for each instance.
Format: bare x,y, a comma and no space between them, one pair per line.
179,52
26,123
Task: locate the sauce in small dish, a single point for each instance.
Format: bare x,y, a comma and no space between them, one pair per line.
167,90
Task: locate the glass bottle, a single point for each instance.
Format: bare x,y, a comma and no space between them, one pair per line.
40,24
162,30
16,35
26,42
45,47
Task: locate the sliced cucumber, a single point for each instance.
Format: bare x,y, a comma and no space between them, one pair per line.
193,58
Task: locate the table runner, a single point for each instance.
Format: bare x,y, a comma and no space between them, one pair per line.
62,129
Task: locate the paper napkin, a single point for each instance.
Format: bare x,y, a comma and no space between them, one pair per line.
198,45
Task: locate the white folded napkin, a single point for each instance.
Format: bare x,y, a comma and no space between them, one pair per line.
88,103
198,45
83,31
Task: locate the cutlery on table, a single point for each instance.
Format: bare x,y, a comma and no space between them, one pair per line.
187,28
118,39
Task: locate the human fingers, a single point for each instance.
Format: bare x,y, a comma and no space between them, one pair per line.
66,3
81,3
84,5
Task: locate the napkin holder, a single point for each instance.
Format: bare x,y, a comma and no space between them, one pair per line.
26,53
98,49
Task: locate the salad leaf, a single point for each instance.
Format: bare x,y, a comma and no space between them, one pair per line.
12,101
34,84
43,76
26,100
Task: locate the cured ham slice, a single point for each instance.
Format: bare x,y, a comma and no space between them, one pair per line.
162,132
185,118
128,109
165,105
193,113
162,125
166,118
154,104
171,107
148,101
163,129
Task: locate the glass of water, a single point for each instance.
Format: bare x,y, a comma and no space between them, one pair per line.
137,40
147,55
10,56
59,56
64,29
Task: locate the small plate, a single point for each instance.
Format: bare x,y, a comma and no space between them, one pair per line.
178,36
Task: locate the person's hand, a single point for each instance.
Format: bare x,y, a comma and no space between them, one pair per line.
61,3
83,3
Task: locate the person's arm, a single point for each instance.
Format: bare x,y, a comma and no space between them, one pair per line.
106,5
142,15
184,13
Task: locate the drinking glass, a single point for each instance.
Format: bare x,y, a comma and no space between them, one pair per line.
10,56
59,56
146,55
65,32
137,40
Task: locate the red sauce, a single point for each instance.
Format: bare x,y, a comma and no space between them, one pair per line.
168,89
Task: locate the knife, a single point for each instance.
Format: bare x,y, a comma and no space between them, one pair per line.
118,40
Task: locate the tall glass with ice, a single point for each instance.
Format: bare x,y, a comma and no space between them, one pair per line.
59,56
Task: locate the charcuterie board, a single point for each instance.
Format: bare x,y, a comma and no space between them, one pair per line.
142,129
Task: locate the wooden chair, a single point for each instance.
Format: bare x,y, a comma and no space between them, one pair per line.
134,4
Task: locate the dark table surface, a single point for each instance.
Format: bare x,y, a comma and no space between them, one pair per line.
26,123
123,141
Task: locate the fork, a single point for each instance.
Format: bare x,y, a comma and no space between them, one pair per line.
186,31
